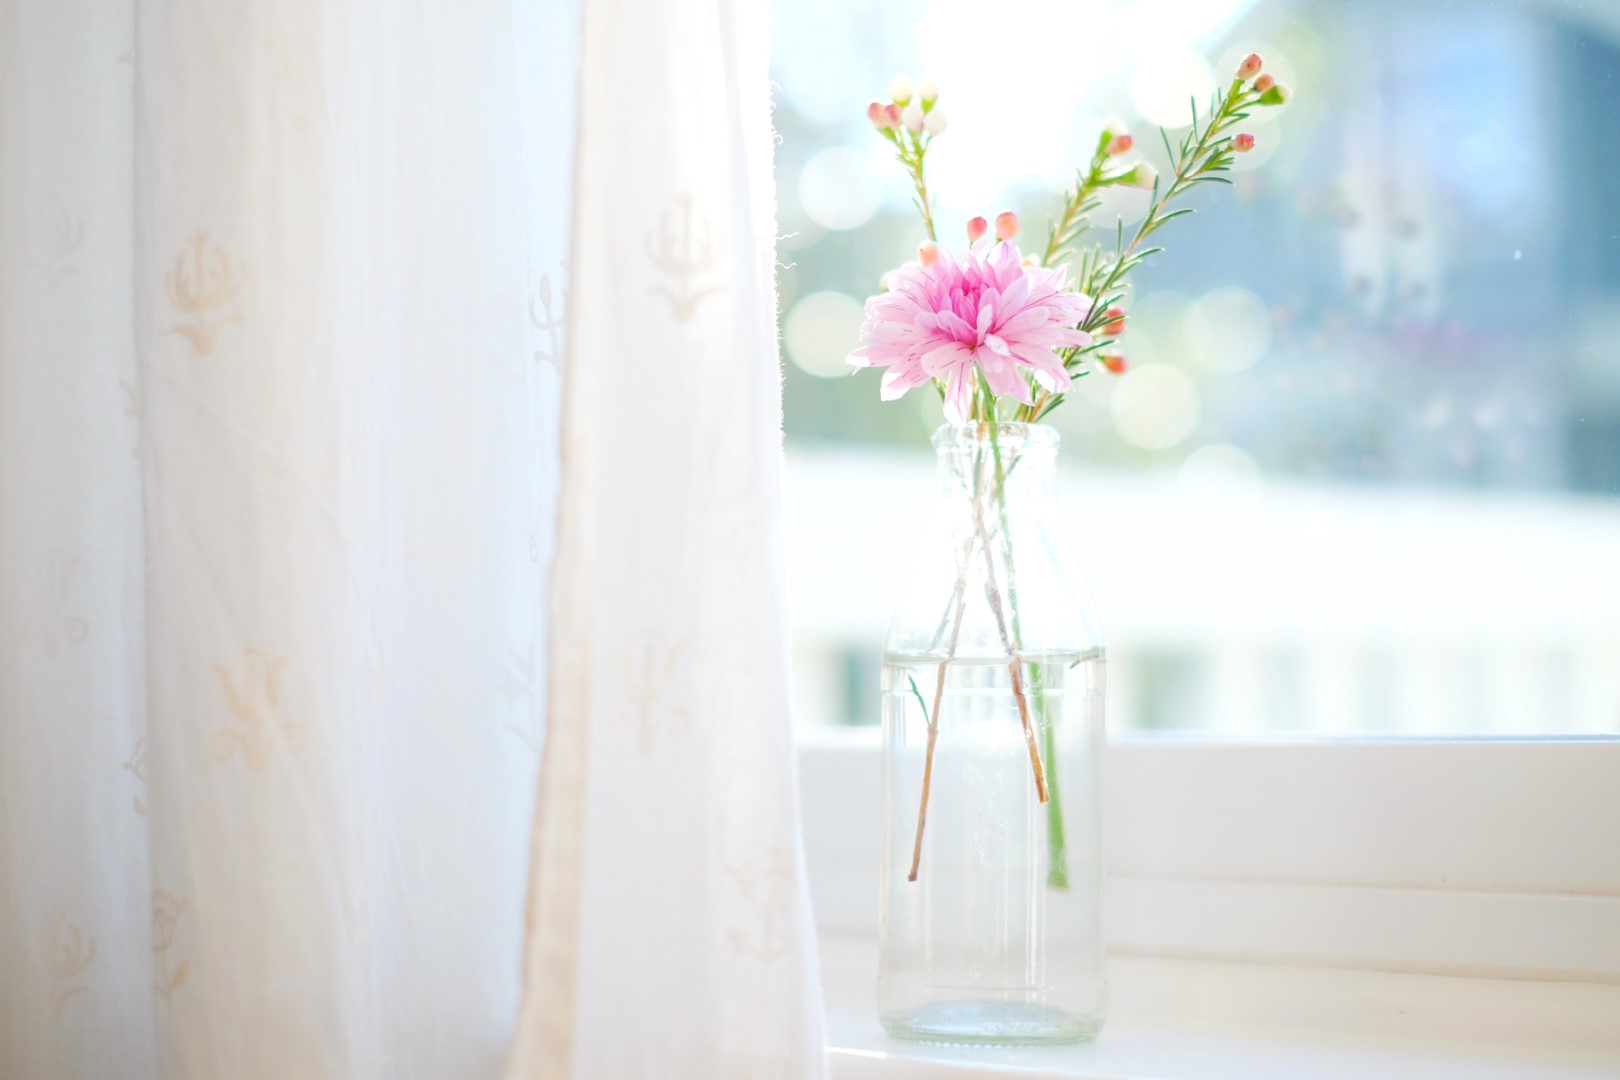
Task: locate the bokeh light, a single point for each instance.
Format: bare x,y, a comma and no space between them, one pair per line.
819,332
1221,469
837,189
1156,332
1228,329
1154,406
1166,81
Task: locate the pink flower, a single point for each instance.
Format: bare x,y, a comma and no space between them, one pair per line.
1243,143
976,228
1250,67
1006,225
1119,144
1264,83
985,313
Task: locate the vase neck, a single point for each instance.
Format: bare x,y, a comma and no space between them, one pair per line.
1008,462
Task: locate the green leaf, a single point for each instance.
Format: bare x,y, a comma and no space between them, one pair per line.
920,702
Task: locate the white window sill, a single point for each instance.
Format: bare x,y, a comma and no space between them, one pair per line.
1316,911
1179,1019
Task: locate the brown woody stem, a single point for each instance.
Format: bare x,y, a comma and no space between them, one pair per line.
1013,661
933,734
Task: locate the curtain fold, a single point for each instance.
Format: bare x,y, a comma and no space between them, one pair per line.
281,311
287,293
669,926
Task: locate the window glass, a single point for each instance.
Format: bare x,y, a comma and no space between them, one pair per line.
1363,475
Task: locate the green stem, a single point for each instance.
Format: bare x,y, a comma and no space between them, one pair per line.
1079,203
1057,855
1057,849
1202,156
913,151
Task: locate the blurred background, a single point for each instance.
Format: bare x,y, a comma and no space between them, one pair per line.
1363,475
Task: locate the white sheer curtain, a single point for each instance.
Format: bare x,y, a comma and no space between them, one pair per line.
283,286
670,927
278,390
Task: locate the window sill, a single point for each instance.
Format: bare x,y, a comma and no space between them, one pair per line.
1320,910
1180,1019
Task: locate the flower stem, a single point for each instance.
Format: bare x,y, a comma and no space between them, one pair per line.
1201,158
1057,855
933,735
1013,641
913,152
1080,202
959,606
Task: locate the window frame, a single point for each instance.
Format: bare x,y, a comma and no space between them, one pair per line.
1495,858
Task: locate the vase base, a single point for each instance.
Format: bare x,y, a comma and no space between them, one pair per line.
990,1023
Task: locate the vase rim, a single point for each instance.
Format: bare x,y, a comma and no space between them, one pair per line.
948,436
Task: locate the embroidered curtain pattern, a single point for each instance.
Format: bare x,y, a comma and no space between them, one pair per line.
670,931
281,322
289,293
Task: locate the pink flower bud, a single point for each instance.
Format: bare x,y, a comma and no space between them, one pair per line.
892,114
976,229
900,89
935,122
928,253
879,117
912,117
1115,325
1243,143
1112,129
1114,362
1119,144
1006,225
1250,67
1277,95
1264,83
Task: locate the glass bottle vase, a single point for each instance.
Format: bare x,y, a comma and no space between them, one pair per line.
990,924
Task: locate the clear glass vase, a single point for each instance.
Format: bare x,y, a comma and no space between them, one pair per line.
990,927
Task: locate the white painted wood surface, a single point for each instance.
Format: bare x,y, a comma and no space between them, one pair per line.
1175,1019
1397,909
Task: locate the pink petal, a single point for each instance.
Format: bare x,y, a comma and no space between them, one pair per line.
946,358
958,394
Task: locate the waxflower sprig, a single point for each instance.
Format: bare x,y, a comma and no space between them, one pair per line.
1202,157
910,121
985,326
